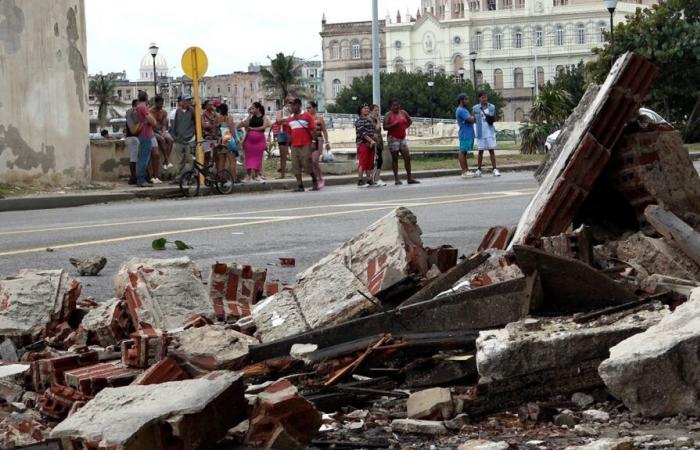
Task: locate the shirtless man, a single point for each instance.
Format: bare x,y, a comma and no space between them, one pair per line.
164,139
320,137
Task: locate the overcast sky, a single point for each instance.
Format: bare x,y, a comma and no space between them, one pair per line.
233,33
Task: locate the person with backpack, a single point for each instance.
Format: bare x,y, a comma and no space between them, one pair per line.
132,139
302,127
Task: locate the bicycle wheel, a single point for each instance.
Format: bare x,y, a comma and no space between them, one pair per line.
189,183
224,182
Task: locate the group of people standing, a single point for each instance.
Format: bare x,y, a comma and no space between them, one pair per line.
476,122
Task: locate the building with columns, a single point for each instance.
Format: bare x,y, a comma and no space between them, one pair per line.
513,42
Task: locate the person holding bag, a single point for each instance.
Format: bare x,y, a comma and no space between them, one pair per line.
485,116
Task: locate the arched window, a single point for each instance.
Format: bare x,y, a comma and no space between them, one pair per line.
498,79
518,78
603,29
497,39
477,40
540,76
518,38
519,115
457,65
356,50
337,87
344,50
580,34
539,37
559,35
430,68
506,4
479,78
398,65
335,50
474,5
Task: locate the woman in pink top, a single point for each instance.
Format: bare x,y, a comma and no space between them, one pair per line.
396,122
254,143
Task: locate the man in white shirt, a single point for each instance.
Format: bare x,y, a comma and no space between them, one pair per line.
485,115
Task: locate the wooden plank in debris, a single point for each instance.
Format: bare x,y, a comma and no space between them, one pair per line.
586,152
569,285
477,309
674,229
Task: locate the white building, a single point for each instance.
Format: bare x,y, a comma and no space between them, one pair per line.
515,41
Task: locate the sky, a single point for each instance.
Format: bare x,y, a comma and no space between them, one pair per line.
233,33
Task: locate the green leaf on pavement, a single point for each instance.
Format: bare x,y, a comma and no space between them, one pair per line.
181,245
159,244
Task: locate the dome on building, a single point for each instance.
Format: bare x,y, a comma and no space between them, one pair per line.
146,67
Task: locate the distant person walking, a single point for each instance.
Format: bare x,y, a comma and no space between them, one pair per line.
132,139
254,143
320,142
485,115
465,122
183,132
375,116
396,122
302,127
365,135
147,122
284,135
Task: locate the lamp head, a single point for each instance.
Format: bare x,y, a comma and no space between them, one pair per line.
431,83
461,71
610,5
472,56
153,49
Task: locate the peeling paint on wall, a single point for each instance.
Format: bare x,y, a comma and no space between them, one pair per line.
26,158
75,57
11,25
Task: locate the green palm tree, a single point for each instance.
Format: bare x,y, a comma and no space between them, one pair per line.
548,113
102,87
284,77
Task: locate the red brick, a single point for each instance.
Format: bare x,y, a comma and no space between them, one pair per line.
232,291
145,348
497,238
92,379
58,401
444,257
162,372
46,372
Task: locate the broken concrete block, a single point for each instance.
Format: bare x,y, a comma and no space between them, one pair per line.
11,389
163,371
435,403
162,293
481,444
145,348
577,244
496,238
191,414
412,426
58,401
34,301
595,415
108,324
496,269
92,379
49,371
674,230
281,406
89,267
444,257
212,347
18,430
234,288
518,350
656,373
606,444
582,400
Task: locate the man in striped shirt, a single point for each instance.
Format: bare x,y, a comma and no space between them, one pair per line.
303,128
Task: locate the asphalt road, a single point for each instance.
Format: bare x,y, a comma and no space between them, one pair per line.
255,228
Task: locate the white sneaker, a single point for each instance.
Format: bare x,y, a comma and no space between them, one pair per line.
170,165
165,166
496,173
477,173
380,183
156,181
465,175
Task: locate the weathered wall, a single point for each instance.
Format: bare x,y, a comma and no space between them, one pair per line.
43,93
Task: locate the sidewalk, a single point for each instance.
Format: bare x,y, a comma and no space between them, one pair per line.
78,198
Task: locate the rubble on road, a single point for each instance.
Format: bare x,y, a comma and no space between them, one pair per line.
90,267
387,343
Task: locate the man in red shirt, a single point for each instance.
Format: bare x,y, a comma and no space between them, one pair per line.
396,122
302,127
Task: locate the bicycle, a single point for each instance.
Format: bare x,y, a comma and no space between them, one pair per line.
221,180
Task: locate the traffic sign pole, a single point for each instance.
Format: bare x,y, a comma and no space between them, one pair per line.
194,64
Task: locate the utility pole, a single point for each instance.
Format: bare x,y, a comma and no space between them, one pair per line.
376,86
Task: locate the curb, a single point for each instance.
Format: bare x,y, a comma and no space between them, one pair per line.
67,201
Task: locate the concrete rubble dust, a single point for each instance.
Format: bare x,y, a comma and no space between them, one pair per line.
578,329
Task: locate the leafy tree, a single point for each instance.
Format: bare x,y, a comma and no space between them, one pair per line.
668,34
284,77
572,79
548,113
102,87
415,95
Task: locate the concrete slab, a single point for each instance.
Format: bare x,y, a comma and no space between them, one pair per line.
212,347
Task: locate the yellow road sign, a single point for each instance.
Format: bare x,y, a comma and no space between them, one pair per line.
194,62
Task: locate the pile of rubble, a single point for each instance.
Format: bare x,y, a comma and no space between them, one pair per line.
580,328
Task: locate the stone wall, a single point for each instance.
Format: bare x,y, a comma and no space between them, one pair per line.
43,93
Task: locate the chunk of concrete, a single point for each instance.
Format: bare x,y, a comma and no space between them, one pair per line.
606,444
35,300
11,389
412,426
657,373
90,267
192,414
280,407
234,289
108,323
278,317
434,403
18,430
162,293
524,348
212,347
481,444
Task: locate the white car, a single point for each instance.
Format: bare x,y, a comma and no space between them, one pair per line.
645,117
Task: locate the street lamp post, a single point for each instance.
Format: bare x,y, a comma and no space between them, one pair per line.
154,51
472,55
611,5
430,85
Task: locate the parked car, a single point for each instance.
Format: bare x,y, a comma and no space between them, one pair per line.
646,116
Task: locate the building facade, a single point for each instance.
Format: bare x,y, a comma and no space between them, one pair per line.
514,43
347,54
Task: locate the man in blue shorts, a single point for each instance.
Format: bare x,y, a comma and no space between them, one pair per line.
465,122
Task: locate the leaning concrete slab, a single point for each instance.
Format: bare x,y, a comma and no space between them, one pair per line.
535,345
108,323
657,373
35,299
162,293
192,414
586,152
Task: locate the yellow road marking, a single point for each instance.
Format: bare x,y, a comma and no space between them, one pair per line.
262,211
241,224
